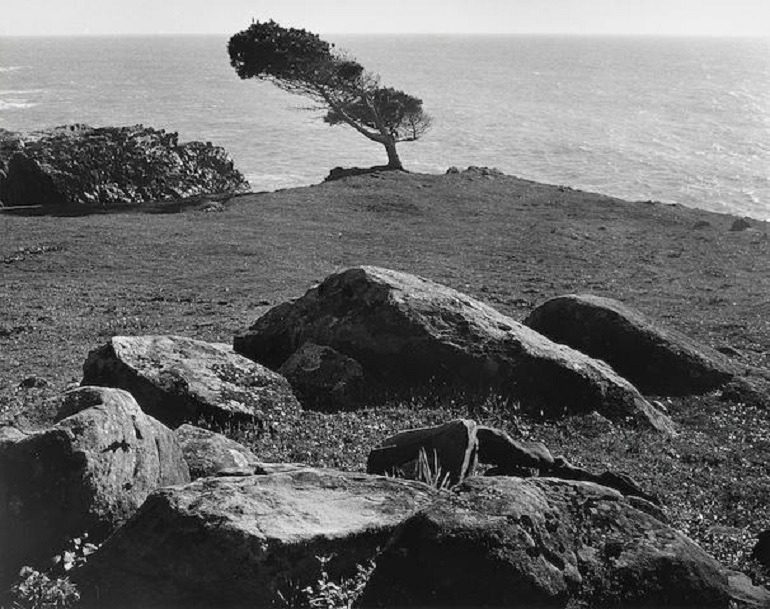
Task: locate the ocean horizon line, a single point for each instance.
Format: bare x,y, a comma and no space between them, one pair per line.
610,35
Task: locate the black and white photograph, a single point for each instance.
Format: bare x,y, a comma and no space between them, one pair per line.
350,304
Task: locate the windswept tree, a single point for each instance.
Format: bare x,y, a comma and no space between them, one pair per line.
300,62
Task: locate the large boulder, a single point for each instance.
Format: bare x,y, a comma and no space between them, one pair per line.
225,542
517,542
88,473
79,167
409,332
324,379
446,454
182,380
657,360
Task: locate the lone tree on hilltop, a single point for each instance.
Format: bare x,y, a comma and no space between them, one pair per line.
300,62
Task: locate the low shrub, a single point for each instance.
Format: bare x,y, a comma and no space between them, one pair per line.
36,590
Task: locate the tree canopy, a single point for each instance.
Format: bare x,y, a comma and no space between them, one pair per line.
300,62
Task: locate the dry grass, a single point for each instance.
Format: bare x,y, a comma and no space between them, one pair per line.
69,283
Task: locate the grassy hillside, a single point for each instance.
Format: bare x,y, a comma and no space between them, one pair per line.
69,283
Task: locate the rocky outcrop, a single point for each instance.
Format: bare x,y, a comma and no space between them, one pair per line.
226,542
473,171
86,474
449,453
324,379
181,380
658,361
77,166
540,542
410,333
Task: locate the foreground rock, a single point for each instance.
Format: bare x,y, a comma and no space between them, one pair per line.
516,542
324,379
448,453
657,360
409,332
80,167
88,473
223,542
182,380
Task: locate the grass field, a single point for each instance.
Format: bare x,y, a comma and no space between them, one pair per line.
68,283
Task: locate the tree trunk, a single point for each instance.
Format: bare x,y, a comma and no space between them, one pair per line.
393,161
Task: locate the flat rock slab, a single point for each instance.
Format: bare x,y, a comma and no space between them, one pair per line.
521,543
225,542
657,360
410,332
181,380
88,473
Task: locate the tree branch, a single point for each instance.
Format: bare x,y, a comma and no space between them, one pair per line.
377,118
376,137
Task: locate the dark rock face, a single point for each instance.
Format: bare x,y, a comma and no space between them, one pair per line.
516,542
408,332
182,380
238,542
88,473
81,167
324,379
761,551
207,453
658,361
509,456
450,451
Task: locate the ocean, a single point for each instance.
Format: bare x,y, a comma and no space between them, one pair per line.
679,120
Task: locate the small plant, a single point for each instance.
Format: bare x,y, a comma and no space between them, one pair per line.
75,554
326,593
431,474
38,591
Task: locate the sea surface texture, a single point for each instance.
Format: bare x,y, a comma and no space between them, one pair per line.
679,120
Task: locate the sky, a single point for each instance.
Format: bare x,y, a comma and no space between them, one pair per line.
617,17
